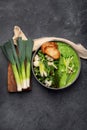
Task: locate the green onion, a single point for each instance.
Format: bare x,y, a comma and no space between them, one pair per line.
21,56
20,61
10,53
28,54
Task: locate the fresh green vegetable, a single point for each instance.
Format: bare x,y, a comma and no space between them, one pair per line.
42,69
10,53
20,61
28,54
21,56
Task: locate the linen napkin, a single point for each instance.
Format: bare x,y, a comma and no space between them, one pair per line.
81,50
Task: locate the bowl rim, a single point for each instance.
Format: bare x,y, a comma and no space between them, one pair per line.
66,85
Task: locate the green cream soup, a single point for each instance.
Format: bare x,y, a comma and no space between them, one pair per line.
68,66
58,73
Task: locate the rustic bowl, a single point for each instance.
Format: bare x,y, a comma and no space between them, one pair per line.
65,41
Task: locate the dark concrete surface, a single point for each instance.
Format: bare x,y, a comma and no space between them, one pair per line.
42,109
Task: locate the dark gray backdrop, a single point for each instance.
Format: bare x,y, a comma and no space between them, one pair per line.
42,109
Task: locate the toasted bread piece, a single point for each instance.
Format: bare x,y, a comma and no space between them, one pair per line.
48,44
52,52
51,49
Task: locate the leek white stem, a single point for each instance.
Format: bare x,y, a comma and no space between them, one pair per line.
17,78
24,83
28,73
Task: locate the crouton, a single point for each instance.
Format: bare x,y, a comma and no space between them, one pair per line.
51,49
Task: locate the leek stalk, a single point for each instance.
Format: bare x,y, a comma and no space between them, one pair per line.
20,61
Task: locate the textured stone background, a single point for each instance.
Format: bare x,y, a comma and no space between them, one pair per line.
42,109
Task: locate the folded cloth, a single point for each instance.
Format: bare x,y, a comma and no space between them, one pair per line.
81,50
